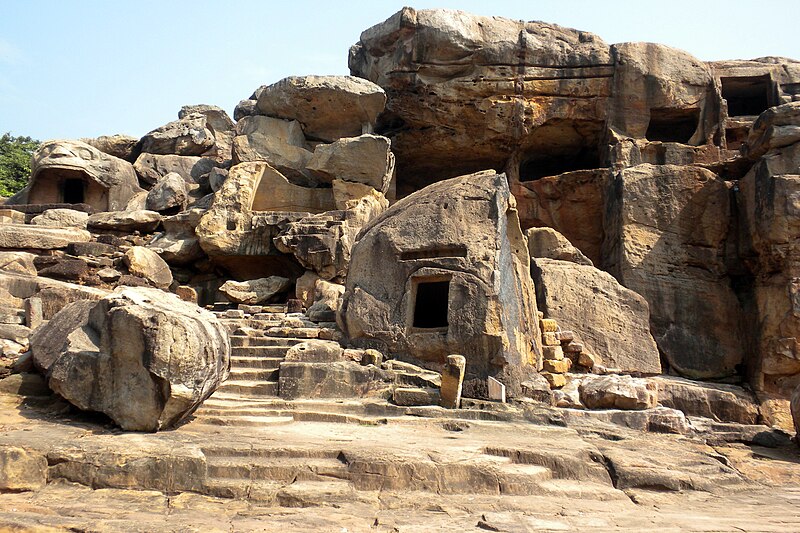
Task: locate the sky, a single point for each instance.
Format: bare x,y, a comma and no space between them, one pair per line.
83,68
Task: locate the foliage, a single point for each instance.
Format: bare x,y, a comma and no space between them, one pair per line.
15,162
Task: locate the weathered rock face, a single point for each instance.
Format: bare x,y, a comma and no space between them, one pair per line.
445,271
328,107
672,252
323,242
73,172
617,392
612,322
237,223
530,90
795,408
143,357
186,136
770,213
573,203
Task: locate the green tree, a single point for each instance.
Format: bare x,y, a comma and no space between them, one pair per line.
15,162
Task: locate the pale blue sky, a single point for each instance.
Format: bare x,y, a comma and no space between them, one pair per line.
72,69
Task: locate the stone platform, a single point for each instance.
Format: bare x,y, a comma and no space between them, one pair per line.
374,468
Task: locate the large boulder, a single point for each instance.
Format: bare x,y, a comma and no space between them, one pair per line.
612,322
122,146
152,167
23,236
142,356
140,220
667,231
548,243
365,159
446,271
186,136
147,264
280,143
328,107
61,218
255,291
168,194
775,128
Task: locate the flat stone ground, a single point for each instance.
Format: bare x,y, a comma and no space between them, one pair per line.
757,489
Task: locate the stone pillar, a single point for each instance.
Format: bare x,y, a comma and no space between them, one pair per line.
33,312
452,381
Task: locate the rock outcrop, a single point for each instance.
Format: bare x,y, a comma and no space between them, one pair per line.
445,271
143,357
673,252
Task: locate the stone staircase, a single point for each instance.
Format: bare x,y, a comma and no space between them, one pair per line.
260,337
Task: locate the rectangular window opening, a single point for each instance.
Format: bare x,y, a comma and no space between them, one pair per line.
672,125
431,304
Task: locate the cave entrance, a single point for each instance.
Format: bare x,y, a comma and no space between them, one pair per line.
747,96
431,301
552,164
73,191
672,125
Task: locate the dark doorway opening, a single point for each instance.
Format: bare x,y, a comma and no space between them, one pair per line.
747,96
430,307
672,125
541,166
73,191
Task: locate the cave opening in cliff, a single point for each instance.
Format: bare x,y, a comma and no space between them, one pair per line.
672,125
561,146
747,96
431,301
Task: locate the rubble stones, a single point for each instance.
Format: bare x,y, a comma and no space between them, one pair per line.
116,356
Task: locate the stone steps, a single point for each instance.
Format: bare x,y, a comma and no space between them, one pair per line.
243,341
247,362
254,374
250,388
276,350
256,473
